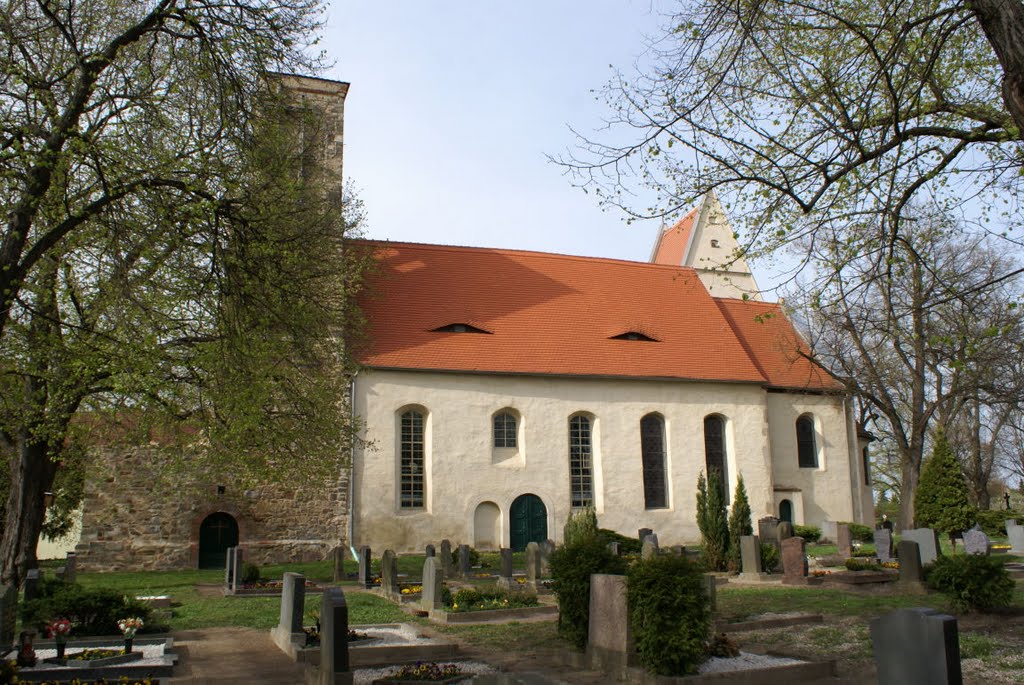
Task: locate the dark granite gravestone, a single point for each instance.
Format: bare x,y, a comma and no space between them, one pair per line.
927,541
447,560
916,647
429,551
71,568
365,577
794,561
339,563
505,579
975,541
30,589
883,544
288,633
8,615
750,556
464,561
389,574
433,584
844,541
910,562
334,669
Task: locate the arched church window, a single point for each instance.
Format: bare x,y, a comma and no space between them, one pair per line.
714,451
581,476
806,445
504,429
412,458
652,451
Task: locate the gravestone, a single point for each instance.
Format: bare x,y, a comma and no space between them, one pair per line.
429,551
389,574
750,556
649,549
505,579
233,568
828,531
334,669
909,553
643,533
927,541
464,561
610,645
339,564
975,541
916,647
71,568
711,590
1011,522
447,560
365,577
883,544
433,584
844,542
533,555
794,561
31,586
8,615
784,531
1015,536
547,548
615,549
288,633
678,550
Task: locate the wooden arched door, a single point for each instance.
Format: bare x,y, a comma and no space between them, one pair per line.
217,532
529,521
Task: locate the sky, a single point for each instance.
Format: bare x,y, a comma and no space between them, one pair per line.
455,106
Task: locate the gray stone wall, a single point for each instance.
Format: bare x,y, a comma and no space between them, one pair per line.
140,513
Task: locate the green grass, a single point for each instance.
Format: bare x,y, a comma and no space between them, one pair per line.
739,603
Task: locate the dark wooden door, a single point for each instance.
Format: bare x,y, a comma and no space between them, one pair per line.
217,532
529,519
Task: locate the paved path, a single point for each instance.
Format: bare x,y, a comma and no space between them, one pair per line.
232,655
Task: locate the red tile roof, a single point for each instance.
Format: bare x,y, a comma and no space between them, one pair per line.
774,345
545,314
673,241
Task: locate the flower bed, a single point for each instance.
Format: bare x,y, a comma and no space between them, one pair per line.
424,672
470,599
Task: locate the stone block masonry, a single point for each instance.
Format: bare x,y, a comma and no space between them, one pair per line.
136,516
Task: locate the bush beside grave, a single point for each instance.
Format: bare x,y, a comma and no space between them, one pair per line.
92,611
809,533
571,568
250,573
769,557
993,521
669,613
860,532
971,581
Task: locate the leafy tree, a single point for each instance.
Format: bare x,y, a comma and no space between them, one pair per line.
712,520
740,523
154,261
941,500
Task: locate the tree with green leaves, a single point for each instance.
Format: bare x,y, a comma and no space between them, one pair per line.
941,501
155,268
740,523
712,520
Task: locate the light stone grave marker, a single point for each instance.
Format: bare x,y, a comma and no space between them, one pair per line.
433,584
447,561
389,574
1015,535
883,544
975,541
844,541
288,634
927,541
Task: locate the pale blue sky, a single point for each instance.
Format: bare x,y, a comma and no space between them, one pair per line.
454,106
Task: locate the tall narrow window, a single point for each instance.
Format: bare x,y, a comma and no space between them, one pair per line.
581,475
714,450
411,466
504,430
806,448
652,451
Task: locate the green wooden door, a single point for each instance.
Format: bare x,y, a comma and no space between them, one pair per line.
529,519
217,532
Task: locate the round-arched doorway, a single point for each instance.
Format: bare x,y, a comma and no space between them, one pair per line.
786,510
528,519
217,533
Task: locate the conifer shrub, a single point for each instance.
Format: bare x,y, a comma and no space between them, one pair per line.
769,557
627,545
571,567
809,533
941,501
581,525
92,611
971,581
250,573
860,532
712,521
993,521
739,524
669,613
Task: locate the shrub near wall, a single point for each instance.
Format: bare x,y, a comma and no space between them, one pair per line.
972,581
669,614
571,568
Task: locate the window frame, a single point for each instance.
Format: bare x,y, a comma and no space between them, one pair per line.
806,442
581,461
509,438
412,459
652,459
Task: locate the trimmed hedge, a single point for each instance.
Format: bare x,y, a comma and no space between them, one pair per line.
93,611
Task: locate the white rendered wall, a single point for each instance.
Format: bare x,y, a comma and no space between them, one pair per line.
463,471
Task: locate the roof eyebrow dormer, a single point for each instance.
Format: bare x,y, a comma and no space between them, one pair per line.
634,335
459,327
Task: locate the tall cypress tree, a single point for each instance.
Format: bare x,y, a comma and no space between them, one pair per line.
739,524
712,520
941,501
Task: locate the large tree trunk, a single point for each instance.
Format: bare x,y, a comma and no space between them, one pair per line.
1003,24
32,473
908,487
